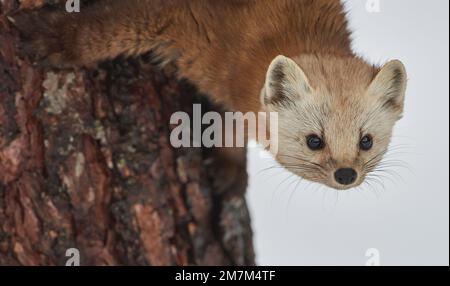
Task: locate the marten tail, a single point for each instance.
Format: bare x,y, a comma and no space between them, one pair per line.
102,31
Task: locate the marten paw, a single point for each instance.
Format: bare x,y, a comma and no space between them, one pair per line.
42,38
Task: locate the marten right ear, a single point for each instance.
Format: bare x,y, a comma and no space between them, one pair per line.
285,83
390,85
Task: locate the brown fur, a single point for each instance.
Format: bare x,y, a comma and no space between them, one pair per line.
227,48
224,47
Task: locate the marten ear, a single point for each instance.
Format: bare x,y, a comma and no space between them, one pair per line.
390,85
285,82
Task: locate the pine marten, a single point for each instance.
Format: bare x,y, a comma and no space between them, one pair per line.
294,57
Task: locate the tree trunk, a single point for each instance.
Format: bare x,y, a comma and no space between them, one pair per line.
86,163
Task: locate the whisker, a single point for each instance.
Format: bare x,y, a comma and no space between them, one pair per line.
291,195
378,182
301,159
281,183
390,175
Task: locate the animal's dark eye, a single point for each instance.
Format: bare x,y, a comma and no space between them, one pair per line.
366,143
315,143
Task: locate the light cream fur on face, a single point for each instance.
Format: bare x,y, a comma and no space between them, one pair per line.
340,100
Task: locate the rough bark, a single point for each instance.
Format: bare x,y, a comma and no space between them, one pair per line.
86,163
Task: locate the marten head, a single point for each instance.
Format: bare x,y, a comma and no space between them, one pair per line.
335,115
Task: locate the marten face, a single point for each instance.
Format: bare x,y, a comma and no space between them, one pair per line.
335,116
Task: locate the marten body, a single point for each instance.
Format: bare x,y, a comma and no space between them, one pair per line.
329,100
224,47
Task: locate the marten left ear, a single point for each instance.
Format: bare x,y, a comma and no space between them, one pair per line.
285,82
390,85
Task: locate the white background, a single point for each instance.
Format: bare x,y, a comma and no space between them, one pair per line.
408,219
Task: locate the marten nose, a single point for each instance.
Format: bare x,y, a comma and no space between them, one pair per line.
345,176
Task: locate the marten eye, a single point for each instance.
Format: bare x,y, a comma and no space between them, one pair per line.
315,143
366,143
